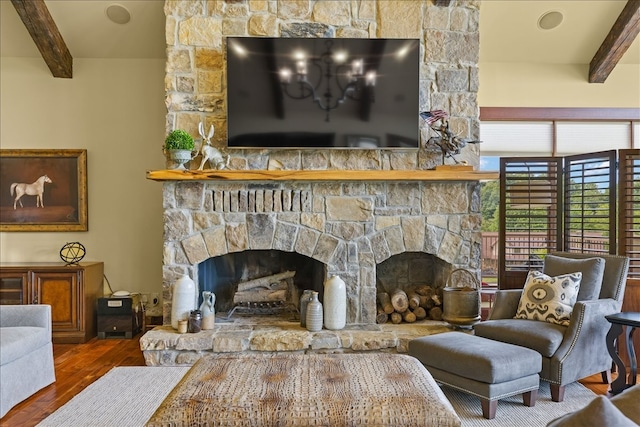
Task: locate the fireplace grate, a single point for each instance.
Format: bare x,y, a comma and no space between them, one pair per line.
265,308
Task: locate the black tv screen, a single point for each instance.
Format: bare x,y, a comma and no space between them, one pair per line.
322,93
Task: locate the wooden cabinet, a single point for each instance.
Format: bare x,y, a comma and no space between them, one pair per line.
13,285
72,292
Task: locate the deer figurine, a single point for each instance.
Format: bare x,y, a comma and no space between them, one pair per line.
210,153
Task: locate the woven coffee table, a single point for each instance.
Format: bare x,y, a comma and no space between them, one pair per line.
286,389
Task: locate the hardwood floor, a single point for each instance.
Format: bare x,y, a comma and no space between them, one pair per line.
78,365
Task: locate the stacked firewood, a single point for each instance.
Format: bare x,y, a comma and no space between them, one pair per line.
267,289
418,303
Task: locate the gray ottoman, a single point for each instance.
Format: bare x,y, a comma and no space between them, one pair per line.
488,369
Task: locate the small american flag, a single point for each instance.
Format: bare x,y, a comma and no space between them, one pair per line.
433,116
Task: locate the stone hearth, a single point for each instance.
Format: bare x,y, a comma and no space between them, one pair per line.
163,346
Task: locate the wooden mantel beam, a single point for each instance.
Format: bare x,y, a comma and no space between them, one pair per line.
622,34
441,173
44,32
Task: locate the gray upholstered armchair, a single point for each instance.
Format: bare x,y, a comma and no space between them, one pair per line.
578,350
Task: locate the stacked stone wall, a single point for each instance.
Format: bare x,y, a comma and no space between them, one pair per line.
348,226
195,81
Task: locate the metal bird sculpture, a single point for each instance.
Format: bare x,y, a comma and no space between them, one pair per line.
449,143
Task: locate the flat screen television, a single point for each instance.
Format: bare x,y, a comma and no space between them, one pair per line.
322,93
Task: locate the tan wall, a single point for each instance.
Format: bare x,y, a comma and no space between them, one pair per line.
115,109
556,85
120,104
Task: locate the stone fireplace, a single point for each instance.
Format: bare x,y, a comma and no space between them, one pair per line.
349,228
376,234
376,217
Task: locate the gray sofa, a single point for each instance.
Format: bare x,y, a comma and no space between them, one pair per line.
26,353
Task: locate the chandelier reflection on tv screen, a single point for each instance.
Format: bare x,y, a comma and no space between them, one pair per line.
293,92
338,78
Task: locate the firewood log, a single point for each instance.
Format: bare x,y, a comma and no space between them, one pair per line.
424,290
396,317
414,300
428,303
265,282
260,295
435,313
381,316
424,301
399,300
408,316
436,299
385,302
420,313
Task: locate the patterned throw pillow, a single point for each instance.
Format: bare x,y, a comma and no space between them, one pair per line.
549,299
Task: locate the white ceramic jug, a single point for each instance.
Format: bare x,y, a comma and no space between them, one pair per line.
208,310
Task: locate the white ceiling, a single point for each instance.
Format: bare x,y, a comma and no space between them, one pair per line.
88,32
509,31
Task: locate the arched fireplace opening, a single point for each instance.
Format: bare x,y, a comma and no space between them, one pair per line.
222,274
409,287
410,269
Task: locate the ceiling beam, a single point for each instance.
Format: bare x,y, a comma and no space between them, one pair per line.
44,32
622,34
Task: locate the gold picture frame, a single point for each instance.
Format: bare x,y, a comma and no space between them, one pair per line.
43,190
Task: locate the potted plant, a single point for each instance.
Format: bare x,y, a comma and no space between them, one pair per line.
179,147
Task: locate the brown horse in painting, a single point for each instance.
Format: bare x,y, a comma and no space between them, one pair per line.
34,189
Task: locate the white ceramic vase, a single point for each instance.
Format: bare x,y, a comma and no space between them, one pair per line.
335,303
183,300
302,308
314,314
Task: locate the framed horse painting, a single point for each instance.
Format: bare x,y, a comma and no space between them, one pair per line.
43,190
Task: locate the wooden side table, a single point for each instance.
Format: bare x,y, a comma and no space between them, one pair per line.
487,296
630,320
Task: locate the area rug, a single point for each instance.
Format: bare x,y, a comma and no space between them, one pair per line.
128,396
512,413
125,396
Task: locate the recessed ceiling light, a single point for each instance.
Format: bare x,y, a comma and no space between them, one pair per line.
118,13
550,20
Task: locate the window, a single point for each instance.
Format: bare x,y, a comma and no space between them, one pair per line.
554,197
506,138
574,137
529,225
629,209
